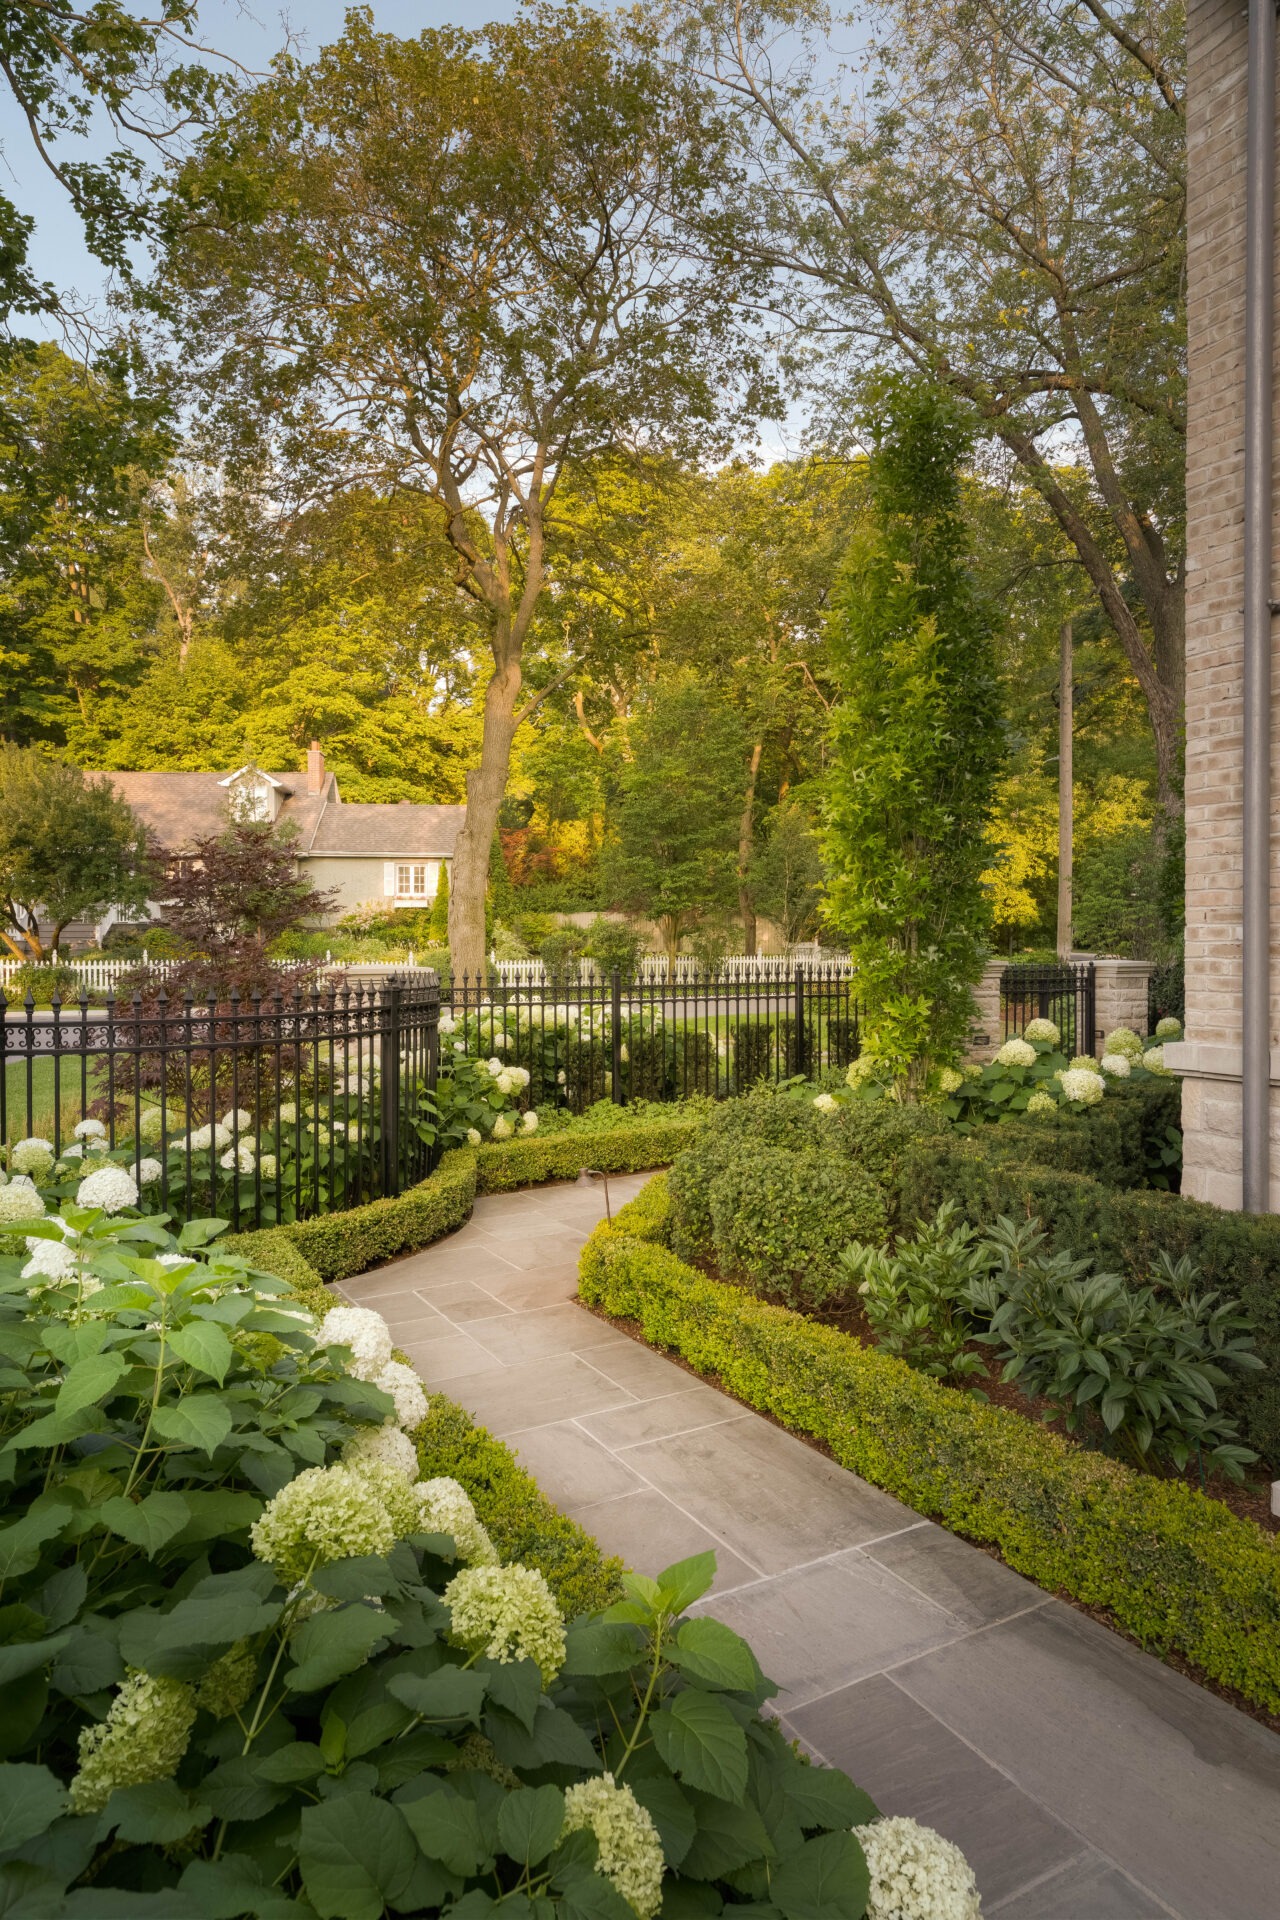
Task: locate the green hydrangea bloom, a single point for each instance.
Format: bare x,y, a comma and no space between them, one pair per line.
325,1514
508,1613
143,1737
630,1852
228,1683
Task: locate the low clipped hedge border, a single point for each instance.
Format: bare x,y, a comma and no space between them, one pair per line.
522,1522
1177,1570
529,1160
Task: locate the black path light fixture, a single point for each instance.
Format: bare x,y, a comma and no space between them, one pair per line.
1259,607
587,1177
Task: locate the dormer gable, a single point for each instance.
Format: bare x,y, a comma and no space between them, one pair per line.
253,794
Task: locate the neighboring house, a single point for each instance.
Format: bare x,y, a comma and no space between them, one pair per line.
387,853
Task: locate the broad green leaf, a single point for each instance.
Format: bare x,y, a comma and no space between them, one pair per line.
197,1420
22,1708
686,1581
360,1578
300,1760
399,1760
592,1897
237,1791
357,1856
825,1797
62,1596
20,1544
159,1812
203,1346
516,1688
727,1838
826,1880
150,1523
331,1644
30,1800
89,1662
529,1823
447,1828
218,1514
599,1647
708,1651
447,1694
89,1382
26,1656
672,1813
701,1741
557,1740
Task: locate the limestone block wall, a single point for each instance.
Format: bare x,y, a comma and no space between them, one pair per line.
1209,1058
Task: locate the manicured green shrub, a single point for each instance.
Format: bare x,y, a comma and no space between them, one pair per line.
1120,1141
876,1135
779,1220
1125,1230
1177,1570
532,1158
736,1130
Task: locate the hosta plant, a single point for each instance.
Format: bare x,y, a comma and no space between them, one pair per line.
916,1297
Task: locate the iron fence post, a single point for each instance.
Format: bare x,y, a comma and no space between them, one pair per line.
615,1038
801,1049
389,1057
1090,1010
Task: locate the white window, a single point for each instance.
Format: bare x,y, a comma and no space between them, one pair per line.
411,880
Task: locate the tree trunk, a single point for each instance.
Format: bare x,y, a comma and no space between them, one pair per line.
1066,792
746,826
486,785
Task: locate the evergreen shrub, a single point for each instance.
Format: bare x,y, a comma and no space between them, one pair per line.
779,1220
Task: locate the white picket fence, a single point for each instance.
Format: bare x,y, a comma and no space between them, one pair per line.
737,969
97,974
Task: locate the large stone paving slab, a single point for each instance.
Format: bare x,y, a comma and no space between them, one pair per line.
973,1586
1088,1888
649,1533
506,1399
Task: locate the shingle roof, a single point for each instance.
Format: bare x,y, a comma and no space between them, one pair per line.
180,808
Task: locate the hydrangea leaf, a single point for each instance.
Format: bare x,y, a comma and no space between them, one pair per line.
20,1544
158,1811
360,1577
557,1740
684,1582
672,1813
203,1346
26,1656
529,1823
701,1741
727,1837
708,1651
331,1644
516,1688
447,1694
149,1524
30,1800
592,1897
826,1880
90,1381
197,1420
357,1857
597,1647
447,1828
825,1797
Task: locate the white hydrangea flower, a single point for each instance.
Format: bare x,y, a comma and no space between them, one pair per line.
51,1261
1085,1060
624,1052
209,1137
1042,1102
235,1120
147,1172
502,1128
32,1156
916,1874
444,1506
529,1121
1168,1028
447,1024
508,1613
1116,1064
859,1070
151,1125
1153,1060
365,1332
387,1445
288,1113
562,1078
1042,1030
395,1492
1017,1053
520,1075
493,1066
405,1388
268,1166
111,1188
630,1851
1124,1040
825,1102
143,1737
460,1046
474,1136
238,1159
504,1083
950,1080
90,1130
972,1071
73,1152
324,1514
1078,1083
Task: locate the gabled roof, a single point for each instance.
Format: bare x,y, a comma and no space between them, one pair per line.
180,808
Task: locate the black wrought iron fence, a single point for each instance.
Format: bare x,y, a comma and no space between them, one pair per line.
258,1110
584,1040
1065,994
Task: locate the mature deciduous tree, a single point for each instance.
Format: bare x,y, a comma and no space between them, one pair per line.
1001,208
459,265
69,847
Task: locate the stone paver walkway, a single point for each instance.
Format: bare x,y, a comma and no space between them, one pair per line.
1084,1779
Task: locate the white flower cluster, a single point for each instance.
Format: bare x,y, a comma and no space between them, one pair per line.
825,1102
1080,1083
111,1188
33,1156
19,1200
365,1332
508,1613
1124,1040
502,1128
387,1446
447,1025
1042,1101
474,1136
51,1262
204,1139
147,1172
405,1388
324,1514
151,1125
1042,1030
1153,1060
529,1122
239,1159
237,1120
143,1737
1085,1060
444,1506
1016,1053
916,1874
1168,1028
90,1130
950,1080
1118,1065
630,1851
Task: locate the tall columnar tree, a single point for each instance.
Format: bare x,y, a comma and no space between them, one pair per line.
917,740
463,265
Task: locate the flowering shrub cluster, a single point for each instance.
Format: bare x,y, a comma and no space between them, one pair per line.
253,1663
1031,1074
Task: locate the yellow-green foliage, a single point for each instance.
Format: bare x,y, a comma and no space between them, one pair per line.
1179,1571
525,1161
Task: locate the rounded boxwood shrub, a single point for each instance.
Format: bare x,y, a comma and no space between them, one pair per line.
780,1219
736,1130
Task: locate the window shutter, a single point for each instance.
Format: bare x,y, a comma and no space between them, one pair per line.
389,879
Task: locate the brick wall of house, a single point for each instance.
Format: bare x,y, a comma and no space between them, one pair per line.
1210,1057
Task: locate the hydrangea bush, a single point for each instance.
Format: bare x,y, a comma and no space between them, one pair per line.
1030,1074
252,1663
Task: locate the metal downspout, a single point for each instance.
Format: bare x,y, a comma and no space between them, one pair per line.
1259,282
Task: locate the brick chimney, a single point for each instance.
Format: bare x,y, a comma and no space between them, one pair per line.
315,768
